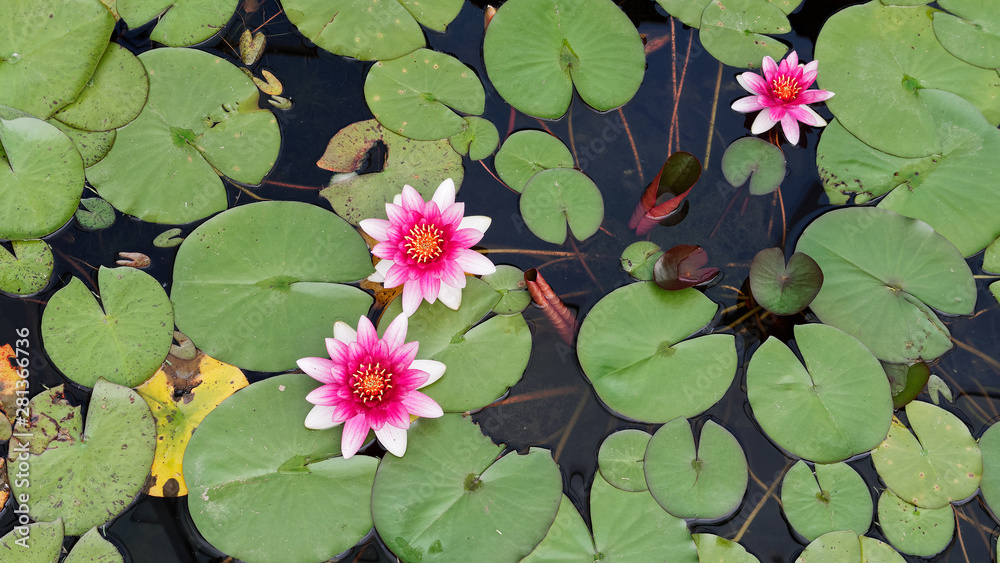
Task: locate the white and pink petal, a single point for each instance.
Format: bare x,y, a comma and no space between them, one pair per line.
355,432
421,405
433,368
392,439
320,369
321,417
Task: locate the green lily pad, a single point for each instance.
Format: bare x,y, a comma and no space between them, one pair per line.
559,197
168,239
537,50
93,145
940,465
420,164
50,49
414,95
781,289
736,31
837,406
688,11
252,457
620,459
508,281
906,381
712,548
567,541
989,445
38,541
706,481
882,273
178,24
123,339
756,159
453,495
528,152
113,96
479,138
259,285
641,366
461,342
639,259
28,269
889,54
41,176
916,531
835,498
96,215
972,33
92,548
845,546
110,462
61,425
201,119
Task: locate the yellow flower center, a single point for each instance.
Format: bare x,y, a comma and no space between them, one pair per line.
370,382
423,244
785,88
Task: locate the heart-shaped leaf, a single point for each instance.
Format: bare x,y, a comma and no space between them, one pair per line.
113,96
479,138
835,498
178,24
559,197
756,159
736,31
28,269
781,289
620,459
528,152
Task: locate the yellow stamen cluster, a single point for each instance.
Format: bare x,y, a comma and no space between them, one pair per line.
785,87
423,244
370,382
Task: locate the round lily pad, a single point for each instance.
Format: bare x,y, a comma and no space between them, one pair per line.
113,96
688,11
258,286
736,31
635,348
479,138
252,458
453,495
462,343
704,481
96,214
92,548
838,405
123,339
568,539
972,33
508,281
835,498
916,531
756,159
201,119
537,50
620,459
639,259
28,269
631,526
93,145
555,198
845,546
940,465
890,54
784,289
178,24
38,541
882,273
713,548
526,153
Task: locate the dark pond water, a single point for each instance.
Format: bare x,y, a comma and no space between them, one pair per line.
553,406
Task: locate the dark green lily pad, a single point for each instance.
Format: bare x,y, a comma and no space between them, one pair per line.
916,531
559,197
461,342
706,481
640,365
453,495
620,459
123,339
420,164
479,138
92,548
639,259
528,152
991,263
537,50
252,457
781,289
972,33
736,31
906,381
97,214
93,145
36,542
845,546
714,548
178,24
835,498
882,273
837,406
756,159
414,95
508,281
259,285
989,445
688,11
201,119
28,269
113,96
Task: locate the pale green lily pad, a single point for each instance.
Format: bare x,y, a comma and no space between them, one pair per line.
940,465
706,481
110,462
916,531
620,459
889,54
92,548
882,273
845,546
559,197
639,259
567,541
461,342
178,23
479,138
736,31
640,364
453,495
37,542
420,164
756,159
837,406
168,239
93,145
687,11
123,339
715,549
972,33
989,445
835,498
991,263
528,152
259,286
537,50
252,458
784,289
508,281
50,49
201,119
415,95
41,176
113,96
28,269
97,214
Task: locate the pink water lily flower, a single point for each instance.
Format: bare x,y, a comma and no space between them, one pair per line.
370,383
783,95
426,247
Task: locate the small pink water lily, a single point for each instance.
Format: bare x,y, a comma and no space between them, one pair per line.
426,247
370,383
784,96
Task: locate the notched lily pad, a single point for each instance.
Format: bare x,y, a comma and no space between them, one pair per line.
27,270
736,31
113,96
784,289
834,498
756,159
620,459
479,138
639,259
528,152
178,24
96,214
508,281
559,197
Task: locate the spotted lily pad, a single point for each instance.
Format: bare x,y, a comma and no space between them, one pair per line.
38,541
756,159
639,259
972,33
528,152
92,548
559,197
620,459
178,24
112,97
916,531
479,138
28,269
96,214
845,546
834,498
736,31
93,145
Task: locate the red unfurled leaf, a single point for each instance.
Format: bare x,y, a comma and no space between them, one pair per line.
555,310
683,266
677,176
